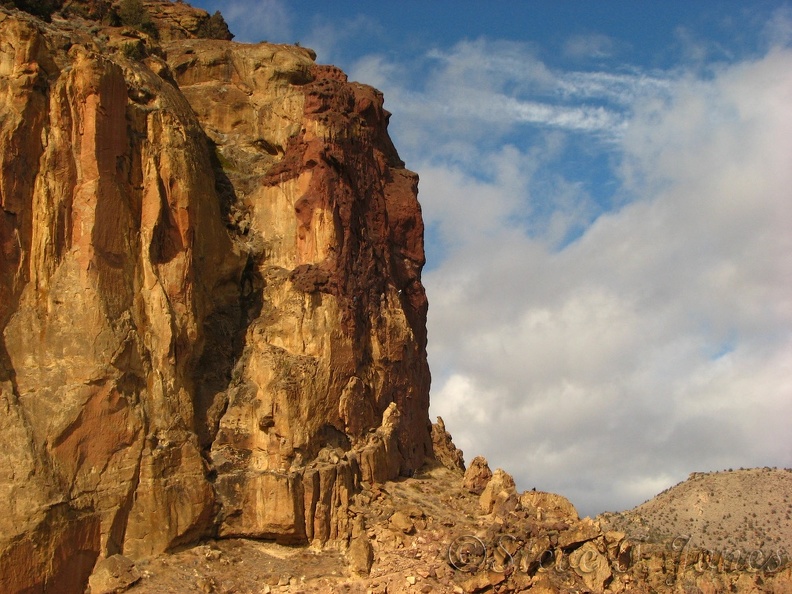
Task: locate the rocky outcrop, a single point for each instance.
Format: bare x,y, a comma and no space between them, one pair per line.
113,574
212,325
210,300
477,476
444,449
498,489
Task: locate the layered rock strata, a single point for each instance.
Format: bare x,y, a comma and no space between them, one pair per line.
210,300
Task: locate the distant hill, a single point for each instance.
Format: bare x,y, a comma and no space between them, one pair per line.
746,509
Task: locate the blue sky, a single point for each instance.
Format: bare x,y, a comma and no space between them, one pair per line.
607,190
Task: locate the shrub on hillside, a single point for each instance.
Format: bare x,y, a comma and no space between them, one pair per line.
214,27
40,8
95,10
132,13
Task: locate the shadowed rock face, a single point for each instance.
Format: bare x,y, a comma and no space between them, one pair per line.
210,300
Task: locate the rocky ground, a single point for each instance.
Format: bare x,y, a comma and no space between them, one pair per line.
442,531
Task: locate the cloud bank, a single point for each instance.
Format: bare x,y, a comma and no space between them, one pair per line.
659,341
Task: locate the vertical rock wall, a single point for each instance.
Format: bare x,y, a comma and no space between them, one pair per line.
210,301
335,310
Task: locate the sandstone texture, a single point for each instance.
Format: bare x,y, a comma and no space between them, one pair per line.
211,311
213,371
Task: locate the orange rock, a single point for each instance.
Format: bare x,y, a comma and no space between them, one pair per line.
210,299
444,449
477,476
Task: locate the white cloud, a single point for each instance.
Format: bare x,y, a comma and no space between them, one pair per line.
481,90
490,64
778,30
588,118
658,343
377,71
623,88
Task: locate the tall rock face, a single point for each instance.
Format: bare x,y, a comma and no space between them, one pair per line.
212,317
331,299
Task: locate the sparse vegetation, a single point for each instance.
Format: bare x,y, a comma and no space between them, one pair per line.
40,8
215,27
93,10
224,162
132,13
134,51
76,10
720,510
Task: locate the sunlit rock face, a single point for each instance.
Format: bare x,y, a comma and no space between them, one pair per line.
210,300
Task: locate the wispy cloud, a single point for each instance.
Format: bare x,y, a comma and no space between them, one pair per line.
505,81
259,20
588,46
329,38
484,108
623,89
486,88
777,31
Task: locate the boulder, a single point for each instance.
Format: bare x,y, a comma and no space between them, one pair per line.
499,488
477,476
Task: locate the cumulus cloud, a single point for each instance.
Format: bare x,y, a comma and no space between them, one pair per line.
657,343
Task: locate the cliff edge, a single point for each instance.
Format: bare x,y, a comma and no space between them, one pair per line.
212,316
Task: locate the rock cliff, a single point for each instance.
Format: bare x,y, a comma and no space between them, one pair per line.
212,316
213,344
